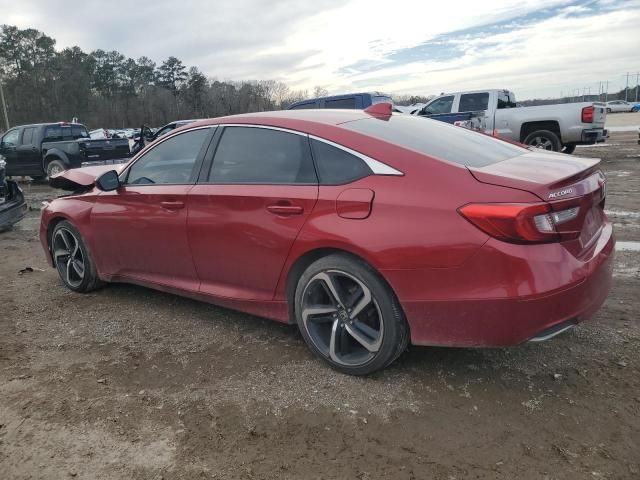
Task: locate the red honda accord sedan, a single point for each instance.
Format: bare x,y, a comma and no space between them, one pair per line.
368,229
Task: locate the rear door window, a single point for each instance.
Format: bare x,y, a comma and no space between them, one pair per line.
437,139
440,105
249,155
27,136
349,103
304,106
471,102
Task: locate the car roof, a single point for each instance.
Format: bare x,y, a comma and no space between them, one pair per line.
50,124
285,118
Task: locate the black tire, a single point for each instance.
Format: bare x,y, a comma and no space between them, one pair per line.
608,110
381,313
543,139
38,178
66,237
569,149
54,167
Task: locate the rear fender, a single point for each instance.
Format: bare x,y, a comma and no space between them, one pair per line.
55,154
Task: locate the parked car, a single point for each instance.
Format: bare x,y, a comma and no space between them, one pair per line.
616,106
368,229
348,101
46,149
551,127
636,107
361,101
13,207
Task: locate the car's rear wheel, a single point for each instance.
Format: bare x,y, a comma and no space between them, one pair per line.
543,139
569,149
72,259
608,110
349,316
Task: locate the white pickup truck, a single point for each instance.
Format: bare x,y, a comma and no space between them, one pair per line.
558,127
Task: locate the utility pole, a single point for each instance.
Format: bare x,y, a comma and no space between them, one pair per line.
606,92
637,84
4,106
626,88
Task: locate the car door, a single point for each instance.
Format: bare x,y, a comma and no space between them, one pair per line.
247,209
8,149
139,230
28,153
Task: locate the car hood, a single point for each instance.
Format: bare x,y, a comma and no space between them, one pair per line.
81,178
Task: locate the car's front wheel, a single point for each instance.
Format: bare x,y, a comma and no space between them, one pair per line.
349,316
55,167
72,259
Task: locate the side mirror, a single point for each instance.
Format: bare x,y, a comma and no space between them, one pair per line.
146,133
108,181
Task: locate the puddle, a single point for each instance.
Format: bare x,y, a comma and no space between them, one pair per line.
622,213
628,246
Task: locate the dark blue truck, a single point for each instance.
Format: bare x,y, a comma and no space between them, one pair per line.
364,100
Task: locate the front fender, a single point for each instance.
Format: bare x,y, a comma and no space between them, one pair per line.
76,210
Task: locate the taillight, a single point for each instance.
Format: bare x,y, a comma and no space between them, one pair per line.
518,222
587,114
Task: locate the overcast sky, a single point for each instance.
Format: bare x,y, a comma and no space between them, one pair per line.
536,48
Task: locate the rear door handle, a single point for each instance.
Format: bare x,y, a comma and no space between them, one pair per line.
172,205
285,209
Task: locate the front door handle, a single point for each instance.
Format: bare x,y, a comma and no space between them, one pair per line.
176,205
279,209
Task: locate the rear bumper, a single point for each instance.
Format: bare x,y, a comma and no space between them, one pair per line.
14,209
526,295
594,135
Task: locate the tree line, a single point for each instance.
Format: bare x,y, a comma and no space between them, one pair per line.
107,89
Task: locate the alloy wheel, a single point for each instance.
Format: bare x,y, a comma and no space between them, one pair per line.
342,318
541,142
54,170
68,257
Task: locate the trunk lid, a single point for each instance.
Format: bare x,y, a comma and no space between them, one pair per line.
564,182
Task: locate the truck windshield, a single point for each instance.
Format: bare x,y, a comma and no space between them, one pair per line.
437,139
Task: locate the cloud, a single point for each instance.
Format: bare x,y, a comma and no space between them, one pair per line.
535,47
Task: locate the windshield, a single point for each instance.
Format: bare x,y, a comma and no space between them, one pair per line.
437,139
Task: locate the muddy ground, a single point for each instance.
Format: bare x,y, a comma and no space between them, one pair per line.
129,383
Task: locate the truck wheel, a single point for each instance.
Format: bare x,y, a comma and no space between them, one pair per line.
568,149
543,139
55,167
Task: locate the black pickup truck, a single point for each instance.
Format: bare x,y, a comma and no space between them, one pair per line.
44,149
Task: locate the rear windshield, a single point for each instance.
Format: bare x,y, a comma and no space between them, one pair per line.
437,139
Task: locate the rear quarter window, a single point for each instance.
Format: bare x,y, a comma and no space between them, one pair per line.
437,139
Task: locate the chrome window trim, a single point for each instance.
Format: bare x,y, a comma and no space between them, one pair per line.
376,166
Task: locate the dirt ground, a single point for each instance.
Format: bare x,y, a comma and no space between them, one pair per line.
129,383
